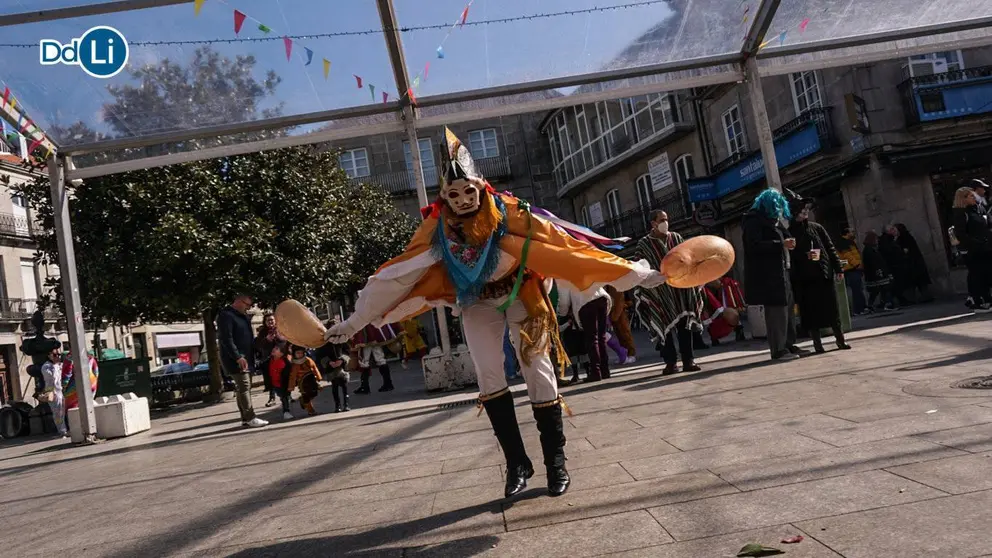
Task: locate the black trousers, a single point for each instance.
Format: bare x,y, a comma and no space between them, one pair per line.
979,277
594,318
668,352
283,395
339,384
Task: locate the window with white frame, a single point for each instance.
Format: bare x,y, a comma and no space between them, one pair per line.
355,162
684,171
584,216
584,137
426,154
482,143
613,203
645,195
805,91
733,129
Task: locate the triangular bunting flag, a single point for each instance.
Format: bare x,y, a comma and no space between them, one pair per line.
372,91
781,38
385,97
197,6
413,100
309,56
327,68
359,80
13,103
264,28
802,26
440,52
464,15
48,152
34,145
427,69
6,95
416,82
239,20
289,47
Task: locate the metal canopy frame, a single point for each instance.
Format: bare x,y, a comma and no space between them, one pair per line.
748,64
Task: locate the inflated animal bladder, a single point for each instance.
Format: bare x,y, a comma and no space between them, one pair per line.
299,325
698,261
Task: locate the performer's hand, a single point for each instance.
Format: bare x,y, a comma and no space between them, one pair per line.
656,279
340,333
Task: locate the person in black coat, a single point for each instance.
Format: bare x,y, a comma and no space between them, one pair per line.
768,249
815,266
878,279
971,228
909,269
237,356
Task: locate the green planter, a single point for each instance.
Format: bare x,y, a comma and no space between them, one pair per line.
843,309
128,375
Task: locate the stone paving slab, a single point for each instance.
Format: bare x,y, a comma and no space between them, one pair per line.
952,527
742,451
795,502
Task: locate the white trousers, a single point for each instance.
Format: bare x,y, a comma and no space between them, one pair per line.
484,326
371,356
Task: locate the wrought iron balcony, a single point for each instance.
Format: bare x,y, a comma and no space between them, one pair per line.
403,182
947,95
18,309
16,226
817,115
636,222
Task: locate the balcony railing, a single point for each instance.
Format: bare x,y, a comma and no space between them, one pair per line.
636,222
17,309
16,225
402,182
947,95
818,115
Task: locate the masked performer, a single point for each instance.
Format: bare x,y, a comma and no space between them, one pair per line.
489,256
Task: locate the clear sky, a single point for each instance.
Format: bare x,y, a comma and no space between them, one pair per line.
475,57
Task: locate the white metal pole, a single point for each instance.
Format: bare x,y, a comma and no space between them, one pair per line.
765,139
410,124
70,291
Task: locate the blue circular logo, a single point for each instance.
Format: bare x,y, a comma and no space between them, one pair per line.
103,52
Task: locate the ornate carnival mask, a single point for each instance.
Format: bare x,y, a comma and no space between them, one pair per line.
461,184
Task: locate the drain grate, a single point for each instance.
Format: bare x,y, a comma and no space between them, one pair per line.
983,382
445,406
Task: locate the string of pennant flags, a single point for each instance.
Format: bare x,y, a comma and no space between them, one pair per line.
25,126
746,15
308,55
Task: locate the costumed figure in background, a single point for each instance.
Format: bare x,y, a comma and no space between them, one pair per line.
413,342
369,341
69,380
51,370
724,307
621,324
668,310
488,256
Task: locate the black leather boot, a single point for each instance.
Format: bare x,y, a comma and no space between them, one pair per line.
839,335
364,388
504,420
817,341
549,424
387,378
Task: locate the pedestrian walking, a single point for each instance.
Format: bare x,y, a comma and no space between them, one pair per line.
971,229
768,255
592,313
854,273
276,369
237,354
669,312
815,267
917,279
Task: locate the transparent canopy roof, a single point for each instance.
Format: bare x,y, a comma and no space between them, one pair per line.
328,62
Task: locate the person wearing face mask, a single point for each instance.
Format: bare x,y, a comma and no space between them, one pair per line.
814,269
854,274
491,258
769,250
668,312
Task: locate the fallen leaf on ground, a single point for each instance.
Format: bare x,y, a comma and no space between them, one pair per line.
793,540
931,411
755,549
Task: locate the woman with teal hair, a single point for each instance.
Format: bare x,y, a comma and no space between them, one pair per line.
768,249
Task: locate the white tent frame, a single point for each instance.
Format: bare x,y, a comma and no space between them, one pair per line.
748,65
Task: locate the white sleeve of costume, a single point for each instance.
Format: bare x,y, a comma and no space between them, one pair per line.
386,289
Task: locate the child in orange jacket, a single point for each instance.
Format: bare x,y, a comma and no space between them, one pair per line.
304,375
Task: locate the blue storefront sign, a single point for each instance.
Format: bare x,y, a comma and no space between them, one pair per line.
788,150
